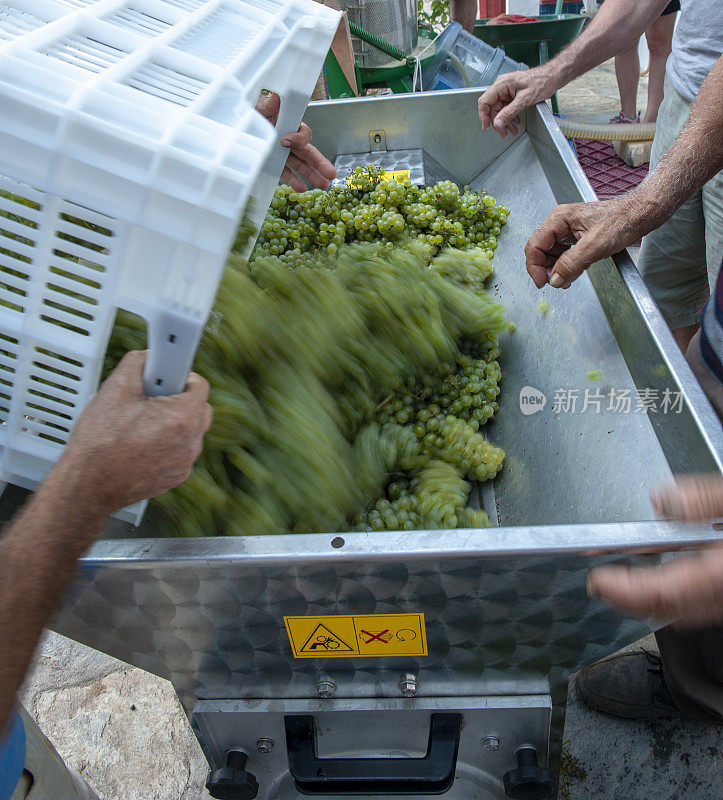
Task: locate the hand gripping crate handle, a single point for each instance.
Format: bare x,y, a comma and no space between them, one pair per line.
172,343
291,112
172,337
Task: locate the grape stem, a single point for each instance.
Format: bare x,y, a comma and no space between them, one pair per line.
383,403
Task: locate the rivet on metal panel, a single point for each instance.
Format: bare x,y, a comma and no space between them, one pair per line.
491,743
377,141
408,685
325,688
265,745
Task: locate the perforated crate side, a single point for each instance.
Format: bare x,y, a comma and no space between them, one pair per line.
129,146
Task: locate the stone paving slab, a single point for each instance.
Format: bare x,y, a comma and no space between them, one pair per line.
121,728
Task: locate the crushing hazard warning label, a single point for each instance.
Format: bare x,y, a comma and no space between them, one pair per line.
357,635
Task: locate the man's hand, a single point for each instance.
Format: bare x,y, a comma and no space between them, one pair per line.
304,157
129,446
125,447
502,104
690,589
596,229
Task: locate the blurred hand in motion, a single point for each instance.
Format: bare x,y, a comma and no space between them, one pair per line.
501,105
688,589
304,157
597,230
129,446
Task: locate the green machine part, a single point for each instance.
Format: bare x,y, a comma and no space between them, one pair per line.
397,76
532,43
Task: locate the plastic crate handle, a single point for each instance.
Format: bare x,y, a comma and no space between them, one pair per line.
172,343
173,338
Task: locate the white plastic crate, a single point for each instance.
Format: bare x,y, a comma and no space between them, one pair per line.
129,145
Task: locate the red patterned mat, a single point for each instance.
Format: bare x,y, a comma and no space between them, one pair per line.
608,175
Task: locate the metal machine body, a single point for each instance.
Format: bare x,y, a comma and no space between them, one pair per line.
505,609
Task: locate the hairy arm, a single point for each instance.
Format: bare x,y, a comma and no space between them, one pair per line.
37,558
616,26
600,229
124,448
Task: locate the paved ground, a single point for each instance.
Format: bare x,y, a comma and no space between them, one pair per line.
125,732
594,97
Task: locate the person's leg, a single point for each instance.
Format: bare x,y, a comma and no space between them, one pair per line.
672,259
464,12
627,72
45,775
707,380
693,670
692,662
660,38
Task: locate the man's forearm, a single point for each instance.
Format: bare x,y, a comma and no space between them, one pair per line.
617,25
694,158
38,554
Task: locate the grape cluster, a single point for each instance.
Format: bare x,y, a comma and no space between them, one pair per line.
432,497
370,208
352,363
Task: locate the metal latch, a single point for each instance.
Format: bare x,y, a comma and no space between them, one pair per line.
377,141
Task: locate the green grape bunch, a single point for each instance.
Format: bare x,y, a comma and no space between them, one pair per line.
370,208
353,361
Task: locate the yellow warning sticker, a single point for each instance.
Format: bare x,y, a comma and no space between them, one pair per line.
397,175
357,635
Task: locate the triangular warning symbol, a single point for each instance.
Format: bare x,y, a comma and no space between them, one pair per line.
322,641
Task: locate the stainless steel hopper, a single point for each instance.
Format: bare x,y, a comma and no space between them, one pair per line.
506,613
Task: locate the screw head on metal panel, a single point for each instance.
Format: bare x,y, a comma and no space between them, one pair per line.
377,141
491,743
265,745
325,689
408,685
